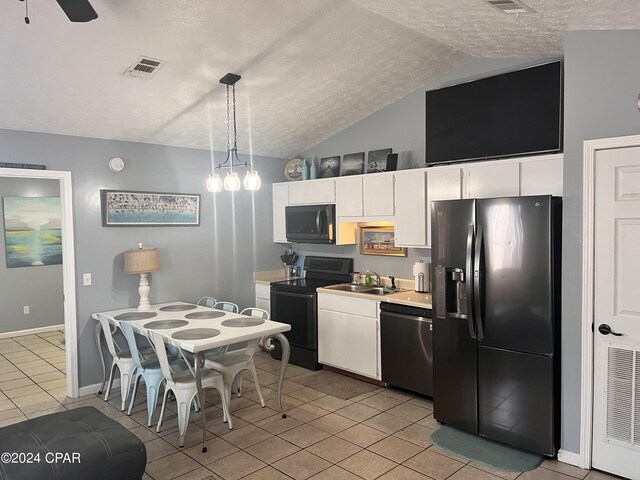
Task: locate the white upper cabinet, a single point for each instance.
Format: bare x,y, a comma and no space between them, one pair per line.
493,180
443,183
378,194
349,196
280,201
312,192
411,208
542,176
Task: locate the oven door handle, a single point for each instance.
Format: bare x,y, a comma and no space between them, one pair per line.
297,295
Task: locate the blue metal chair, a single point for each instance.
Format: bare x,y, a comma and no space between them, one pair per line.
207,302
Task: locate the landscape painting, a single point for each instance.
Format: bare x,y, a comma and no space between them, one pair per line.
125,208
32,233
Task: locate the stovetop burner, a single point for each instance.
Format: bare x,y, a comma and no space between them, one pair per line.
320,272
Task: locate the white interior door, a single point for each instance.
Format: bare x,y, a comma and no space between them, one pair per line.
616,393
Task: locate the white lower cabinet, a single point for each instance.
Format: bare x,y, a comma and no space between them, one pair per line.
263,297
349,334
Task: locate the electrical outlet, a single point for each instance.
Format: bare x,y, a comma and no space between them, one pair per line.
86,279
25,309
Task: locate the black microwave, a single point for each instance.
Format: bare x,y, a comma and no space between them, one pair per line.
311,223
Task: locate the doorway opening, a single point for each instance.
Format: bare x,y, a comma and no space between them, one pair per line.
68,267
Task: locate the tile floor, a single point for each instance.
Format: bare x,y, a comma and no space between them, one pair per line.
383,434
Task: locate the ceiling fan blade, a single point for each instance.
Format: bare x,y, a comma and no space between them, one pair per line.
78,10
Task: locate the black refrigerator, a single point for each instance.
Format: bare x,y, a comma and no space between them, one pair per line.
496,318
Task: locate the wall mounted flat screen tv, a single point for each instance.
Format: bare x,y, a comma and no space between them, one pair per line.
513,114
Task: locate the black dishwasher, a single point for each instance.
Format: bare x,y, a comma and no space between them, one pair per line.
407,353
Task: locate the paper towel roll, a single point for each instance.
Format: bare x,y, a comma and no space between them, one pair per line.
421,276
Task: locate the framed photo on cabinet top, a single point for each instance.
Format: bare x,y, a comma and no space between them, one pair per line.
352,164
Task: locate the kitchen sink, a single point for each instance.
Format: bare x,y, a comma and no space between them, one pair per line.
348,287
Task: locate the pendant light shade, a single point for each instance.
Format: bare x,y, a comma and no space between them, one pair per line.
252,181
232,181
214,183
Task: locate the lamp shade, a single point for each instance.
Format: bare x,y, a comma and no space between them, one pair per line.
141,260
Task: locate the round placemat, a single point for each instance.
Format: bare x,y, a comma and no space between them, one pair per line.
242,322
135,315
195,334
204,315
177,308
163,324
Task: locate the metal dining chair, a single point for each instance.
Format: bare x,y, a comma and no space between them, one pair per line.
183,386
148,368
207,302
227,306
236,359
121,358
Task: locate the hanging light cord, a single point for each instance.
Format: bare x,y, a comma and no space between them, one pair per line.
232,159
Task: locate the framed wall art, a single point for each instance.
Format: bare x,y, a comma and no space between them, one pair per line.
126,208
380,241
329,167
377,160
352,164
32,231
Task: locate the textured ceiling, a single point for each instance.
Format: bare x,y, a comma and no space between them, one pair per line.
310,68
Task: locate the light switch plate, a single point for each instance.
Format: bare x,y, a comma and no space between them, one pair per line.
86,279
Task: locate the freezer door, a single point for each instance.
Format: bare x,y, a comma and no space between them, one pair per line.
516,285
454,345
516,399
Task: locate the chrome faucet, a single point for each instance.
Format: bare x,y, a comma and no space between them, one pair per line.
377,278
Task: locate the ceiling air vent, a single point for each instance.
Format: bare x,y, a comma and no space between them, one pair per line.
144,67
510,6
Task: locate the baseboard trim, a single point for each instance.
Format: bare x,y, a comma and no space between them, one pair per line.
31,331
569,457
95,388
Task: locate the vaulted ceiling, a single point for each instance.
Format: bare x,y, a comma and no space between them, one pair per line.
310,68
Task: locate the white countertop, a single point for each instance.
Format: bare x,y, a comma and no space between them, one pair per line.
267,276
410,297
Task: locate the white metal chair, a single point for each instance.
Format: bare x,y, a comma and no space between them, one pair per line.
207,302
227,306
236,359
121,359
183,386
255,312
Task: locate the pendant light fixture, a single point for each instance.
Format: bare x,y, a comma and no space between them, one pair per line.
232,180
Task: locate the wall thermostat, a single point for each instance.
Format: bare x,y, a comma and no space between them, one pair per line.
116,164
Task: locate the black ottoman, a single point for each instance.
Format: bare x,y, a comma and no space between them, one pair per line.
81,444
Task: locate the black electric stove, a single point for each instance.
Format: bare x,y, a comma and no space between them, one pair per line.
295,302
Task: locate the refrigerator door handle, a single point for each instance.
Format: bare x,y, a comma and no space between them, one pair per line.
477,276
468,283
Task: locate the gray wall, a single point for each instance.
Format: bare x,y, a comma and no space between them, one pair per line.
602,82
38,287
217,258
400,126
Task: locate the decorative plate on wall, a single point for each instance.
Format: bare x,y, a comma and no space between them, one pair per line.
293,169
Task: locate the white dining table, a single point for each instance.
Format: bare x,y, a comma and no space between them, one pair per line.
197,329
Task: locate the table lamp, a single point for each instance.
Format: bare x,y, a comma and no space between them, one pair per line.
142,261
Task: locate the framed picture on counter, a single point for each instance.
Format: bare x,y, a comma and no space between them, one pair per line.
126,208
352,164
380,241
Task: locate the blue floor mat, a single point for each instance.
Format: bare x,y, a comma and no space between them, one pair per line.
484,451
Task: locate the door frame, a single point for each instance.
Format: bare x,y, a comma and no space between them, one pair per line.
68,265
591,148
